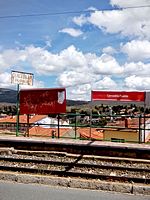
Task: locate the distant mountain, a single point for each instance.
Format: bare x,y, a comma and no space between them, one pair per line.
10,96
76,102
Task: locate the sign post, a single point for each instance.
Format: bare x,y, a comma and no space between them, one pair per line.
17,120
20,78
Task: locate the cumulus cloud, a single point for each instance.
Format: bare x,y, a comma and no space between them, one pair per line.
73,58
136,68
137,83
109,50
128,22
133,22
48,41
106,64
5,82
92,8
80,20
47,63
71,78
80,92
105,84
77,71
36,84
128,3
10,57
71,31
137,50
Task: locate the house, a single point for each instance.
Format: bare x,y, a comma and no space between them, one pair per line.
39,125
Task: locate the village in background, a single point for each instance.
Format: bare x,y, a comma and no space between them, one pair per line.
84,120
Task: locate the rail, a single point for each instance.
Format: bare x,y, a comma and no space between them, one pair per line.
121,170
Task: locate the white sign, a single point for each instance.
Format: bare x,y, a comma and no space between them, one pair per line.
61,97
21,78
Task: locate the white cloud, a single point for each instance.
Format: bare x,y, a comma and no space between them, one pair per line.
36,84
75,70
5,80
82,19
73,59
109,50
128,3
71,31
137,83
72,78
81,92
105,84
106,65
133,22
48,41
47,63
128,22
137,50
139,69
81,89
92,8
71,66
10,57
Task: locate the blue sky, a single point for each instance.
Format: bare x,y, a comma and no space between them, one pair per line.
81,45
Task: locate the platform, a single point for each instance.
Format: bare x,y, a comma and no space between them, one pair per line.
86,147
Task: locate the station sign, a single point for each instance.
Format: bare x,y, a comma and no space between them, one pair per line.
43,101
21,78
127,96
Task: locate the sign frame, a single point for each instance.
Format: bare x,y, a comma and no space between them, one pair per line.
43,101
121,96
22,78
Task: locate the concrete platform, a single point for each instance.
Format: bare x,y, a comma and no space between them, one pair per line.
84,147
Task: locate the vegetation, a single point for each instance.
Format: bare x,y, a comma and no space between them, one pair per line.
8,109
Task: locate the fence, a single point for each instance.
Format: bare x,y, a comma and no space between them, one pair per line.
118,128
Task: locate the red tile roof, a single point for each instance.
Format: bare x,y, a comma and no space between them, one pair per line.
94,133
23,118
47,132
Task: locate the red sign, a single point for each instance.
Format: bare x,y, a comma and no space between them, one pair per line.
43,101
118,96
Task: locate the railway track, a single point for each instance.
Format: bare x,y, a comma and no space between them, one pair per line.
69,165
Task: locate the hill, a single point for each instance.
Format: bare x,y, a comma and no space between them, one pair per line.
8,96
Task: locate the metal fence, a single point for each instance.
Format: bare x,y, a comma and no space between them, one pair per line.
115,128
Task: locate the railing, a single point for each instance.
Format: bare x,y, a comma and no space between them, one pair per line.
115,128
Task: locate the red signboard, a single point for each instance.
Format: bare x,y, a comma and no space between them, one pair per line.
118,96
43,101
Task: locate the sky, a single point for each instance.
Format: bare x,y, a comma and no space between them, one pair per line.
81,45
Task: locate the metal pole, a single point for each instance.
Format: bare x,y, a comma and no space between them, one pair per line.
144,114
28,125
144,120
75,125
90,123
91,118
58,126
140,131
17,119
